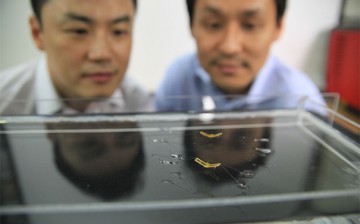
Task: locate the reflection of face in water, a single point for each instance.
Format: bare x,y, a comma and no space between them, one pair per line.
104,164
237,150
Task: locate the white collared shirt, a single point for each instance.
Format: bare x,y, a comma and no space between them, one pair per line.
53,103
28,89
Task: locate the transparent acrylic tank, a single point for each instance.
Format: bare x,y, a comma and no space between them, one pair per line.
195,167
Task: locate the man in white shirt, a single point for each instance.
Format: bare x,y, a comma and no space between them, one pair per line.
87,46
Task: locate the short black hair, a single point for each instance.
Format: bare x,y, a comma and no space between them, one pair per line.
37,5
280,9
258,161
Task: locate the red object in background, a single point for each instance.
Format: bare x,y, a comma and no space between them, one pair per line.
343,66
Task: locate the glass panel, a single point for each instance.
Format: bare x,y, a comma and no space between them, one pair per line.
314,104
209,167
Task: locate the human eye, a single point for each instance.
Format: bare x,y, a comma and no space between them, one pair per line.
212,25
249,26
77,31
120,32
253,24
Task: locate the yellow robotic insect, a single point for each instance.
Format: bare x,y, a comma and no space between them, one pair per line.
206,164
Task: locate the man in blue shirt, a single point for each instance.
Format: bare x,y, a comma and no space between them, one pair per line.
233,65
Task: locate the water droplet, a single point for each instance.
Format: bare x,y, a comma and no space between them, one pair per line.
159,140
242,185
262,140
168,162
176,173
177,156
166,182
264,151
247,173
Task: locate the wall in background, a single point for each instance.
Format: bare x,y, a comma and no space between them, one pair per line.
15,41
351,12
162,34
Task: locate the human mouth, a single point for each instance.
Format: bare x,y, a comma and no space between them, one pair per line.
228,68
99,77
231,67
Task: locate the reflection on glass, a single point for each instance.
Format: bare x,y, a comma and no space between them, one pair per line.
221,152
246,163
185,103
107,165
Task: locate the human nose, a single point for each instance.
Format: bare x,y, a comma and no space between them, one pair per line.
232,41
100,49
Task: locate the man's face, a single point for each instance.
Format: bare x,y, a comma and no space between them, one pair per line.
233,39
87,43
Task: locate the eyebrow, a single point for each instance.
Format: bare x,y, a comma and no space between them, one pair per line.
70,16
212,10
248,13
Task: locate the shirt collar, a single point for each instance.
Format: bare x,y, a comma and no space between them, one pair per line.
113,104
200,71
265,85
260,83
47,99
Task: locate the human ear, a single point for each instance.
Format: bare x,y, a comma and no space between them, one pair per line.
192,31
36,33
279,28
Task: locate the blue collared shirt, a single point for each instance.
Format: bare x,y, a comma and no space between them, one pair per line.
277,86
